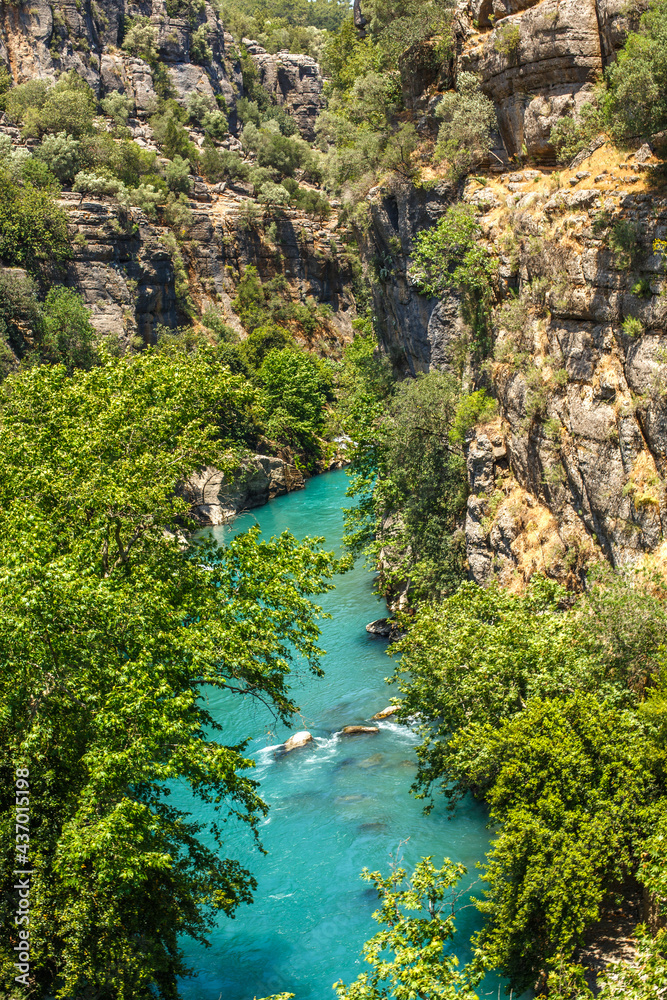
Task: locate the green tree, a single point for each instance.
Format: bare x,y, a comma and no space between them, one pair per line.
415,933
480,656
468,118
421,490
112,623
451,257
568,781
636,102
33,229
68,333
296,387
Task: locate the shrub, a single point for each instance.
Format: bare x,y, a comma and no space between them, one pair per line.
172,137
38,174
214,322
141,39
117,106
470,410
220,164
250,301
146,197
280,152
197,106
623,242
62,155
125,160
215,124
575,132
68,332
69,107
91,183
507,40
177,213
468,118
636,102
33,229
271,193
264,339
19,312
23,97
200,50
632,326
177,174
450,255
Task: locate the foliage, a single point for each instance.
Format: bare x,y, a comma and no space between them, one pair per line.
411,483
415,933
296,386
177,174
480,656
33,229
62,155
171,136
117,106
568,779
624,242
572,133
68,333
473,409
507,39
221,164
451,256
141,39
636,103
111,627
468,118
200,50
632,326
68,107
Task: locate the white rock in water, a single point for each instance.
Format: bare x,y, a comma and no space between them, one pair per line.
353,730
298,740
386,712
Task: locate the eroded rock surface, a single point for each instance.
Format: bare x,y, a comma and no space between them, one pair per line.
217,497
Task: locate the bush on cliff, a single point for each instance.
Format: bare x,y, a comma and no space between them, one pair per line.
636,102
468,118
33,228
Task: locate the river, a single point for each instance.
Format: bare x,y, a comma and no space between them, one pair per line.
339,806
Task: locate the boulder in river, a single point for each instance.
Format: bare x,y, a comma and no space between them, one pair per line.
386,712
298,740
382,627
357,730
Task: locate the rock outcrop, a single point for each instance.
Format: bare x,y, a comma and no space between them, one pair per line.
44,39
216,497
294,81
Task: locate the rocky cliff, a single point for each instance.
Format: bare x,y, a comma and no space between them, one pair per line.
574,468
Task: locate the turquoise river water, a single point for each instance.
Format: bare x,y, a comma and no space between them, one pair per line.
337,806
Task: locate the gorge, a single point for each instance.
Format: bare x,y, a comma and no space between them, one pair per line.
246,244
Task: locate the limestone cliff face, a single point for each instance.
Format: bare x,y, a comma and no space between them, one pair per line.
43,39
540,59
123,265
295,82
574,469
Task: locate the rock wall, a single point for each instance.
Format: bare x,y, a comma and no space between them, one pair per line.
295,82
216,498
44,39
123,267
